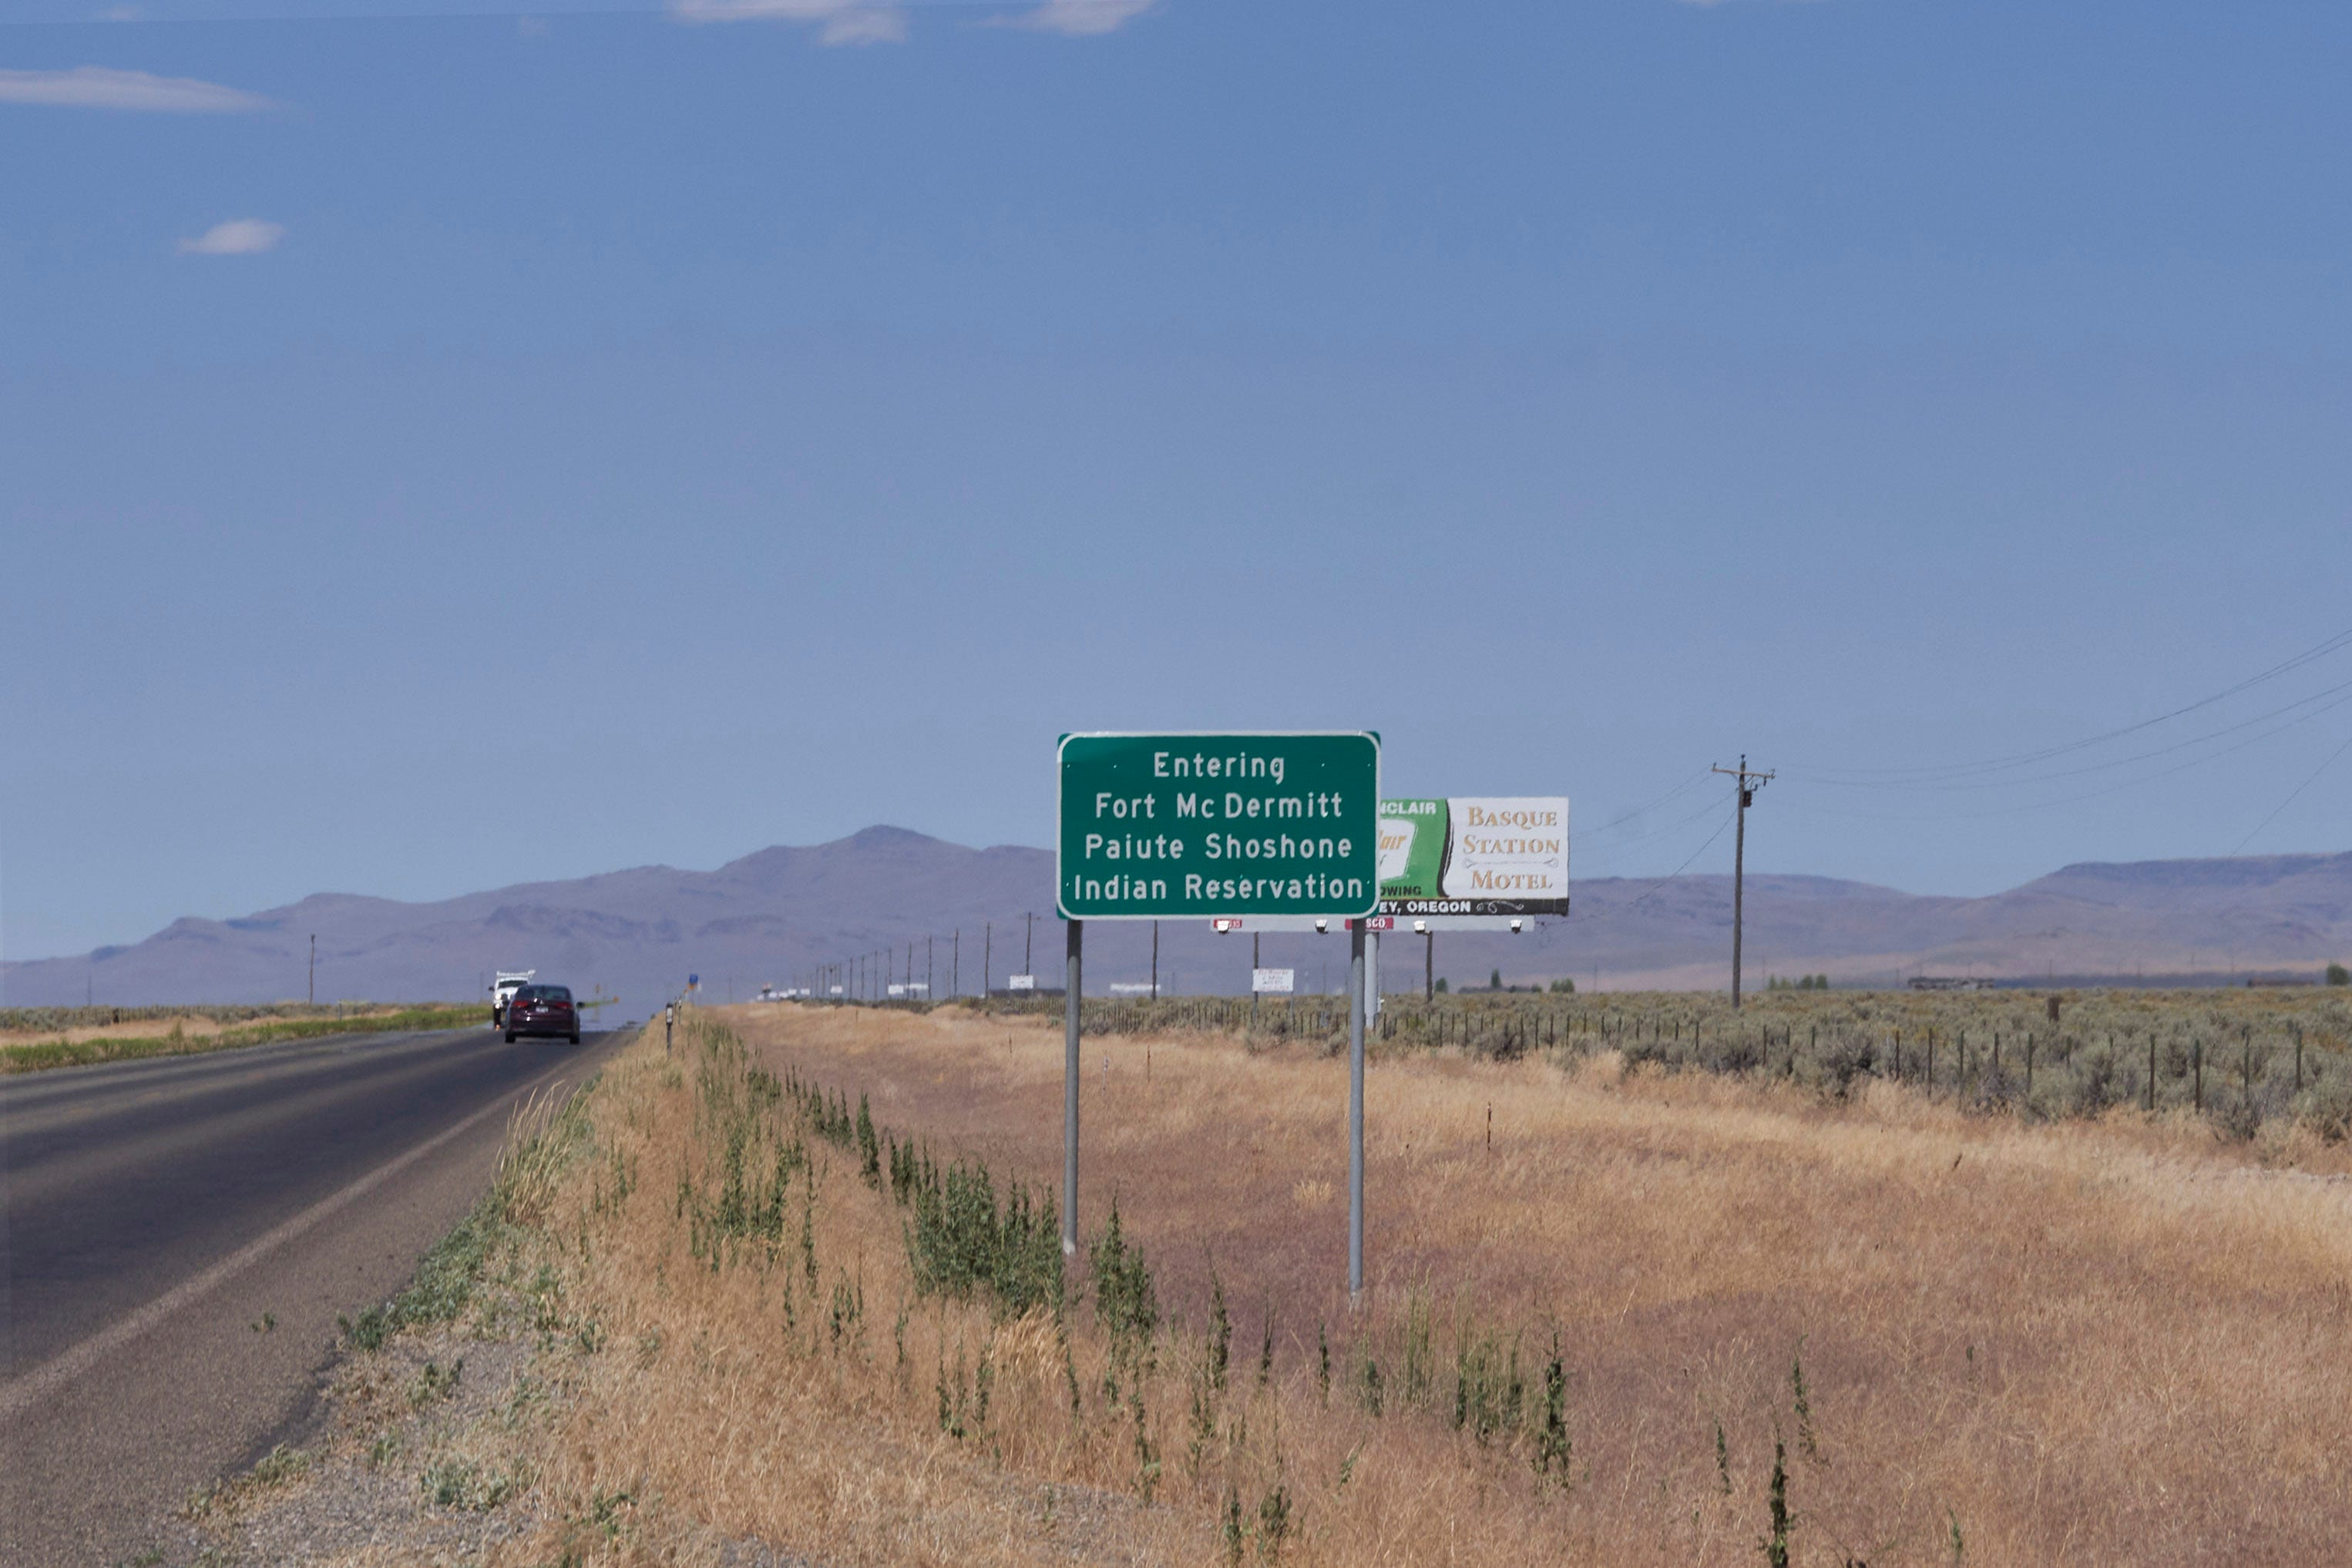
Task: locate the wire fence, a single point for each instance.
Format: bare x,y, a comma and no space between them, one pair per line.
2274,1060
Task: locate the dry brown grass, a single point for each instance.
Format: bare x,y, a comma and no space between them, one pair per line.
2108,1344
75,1024
195,1025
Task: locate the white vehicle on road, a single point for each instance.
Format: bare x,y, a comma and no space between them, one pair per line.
503,991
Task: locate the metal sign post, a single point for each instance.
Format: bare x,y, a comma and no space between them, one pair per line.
1356,935
1072,967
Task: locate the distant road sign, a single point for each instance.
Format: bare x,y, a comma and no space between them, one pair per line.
692,981
1021,983
1274,982
1168,826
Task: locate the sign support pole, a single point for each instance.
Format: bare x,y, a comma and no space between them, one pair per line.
1355,1111
1070,1072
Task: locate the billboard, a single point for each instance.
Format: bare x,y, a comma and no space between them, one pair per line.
1475,854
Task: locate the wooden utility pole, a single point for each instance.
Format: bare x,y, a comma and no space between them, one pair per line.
1749,782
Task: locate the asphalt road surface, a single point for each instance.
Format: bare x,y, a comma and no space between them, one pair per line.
178,1237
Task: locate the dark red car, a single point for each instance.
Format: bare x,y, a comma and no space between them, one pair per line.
542,1010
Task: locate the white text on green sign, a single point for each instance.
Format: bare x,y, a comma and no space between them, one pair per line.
1156,826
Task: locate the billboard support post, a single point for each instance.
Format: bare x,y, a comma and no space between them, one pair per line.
1356,934
1070,1067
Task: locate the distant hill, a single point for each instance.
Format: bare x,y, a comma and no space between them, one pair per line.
767,917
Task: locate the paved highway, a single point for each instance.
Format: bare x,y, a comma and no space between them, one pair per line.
153,1214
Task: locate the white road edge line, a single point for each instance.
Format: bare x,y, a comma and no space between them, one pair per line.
21,1394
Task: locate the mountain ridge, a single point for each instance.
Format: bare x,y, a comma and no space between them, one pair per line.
771,916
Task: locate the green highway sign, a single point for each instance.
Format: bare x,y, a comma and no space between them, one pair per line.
1178,826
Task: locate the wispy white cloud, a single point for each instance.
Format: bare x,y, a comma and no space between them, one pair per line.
1079,18
99,86
865,25
836,21
238,237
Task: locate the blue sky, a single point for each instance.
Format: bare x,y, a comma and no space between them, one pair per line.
445,447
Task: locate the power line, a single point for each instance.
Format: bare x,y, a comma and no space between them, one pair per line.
1682,868
1641,810
1624,844
2298,790
2094,794
2339,692
2023,758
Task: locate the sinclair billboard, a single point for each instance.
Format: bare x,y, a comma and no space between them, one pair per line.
1475,854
